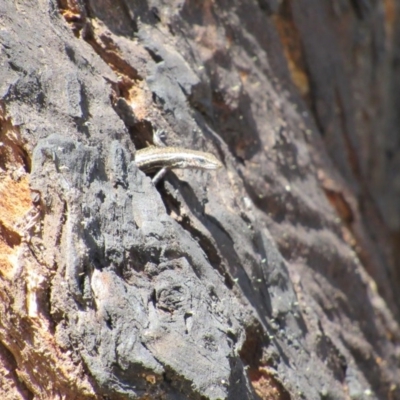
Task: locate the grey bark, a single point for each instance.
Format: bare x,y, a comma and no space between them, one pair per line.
272,278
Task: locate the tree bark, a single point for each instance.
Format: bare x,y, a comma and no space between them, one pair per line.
275,277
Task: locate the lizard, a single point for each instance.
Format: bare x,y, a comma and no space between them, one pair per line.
165,158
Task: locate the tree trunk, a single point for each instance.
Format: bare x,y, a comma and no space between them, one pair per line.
274,277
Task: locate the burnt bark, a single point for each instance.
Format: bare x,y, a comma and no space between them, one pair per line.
275,277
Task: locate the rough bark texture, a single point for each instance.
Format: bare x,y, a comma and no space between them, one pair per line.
273,278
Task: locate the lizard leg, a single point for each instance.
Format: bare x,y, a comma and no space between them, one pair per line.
159,175
159,137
